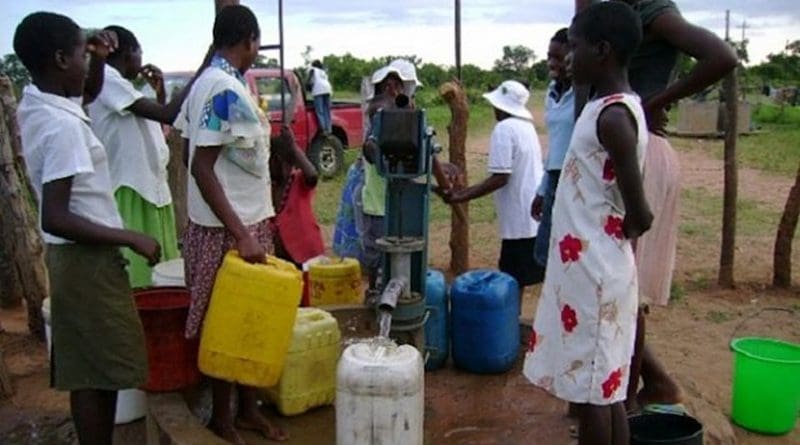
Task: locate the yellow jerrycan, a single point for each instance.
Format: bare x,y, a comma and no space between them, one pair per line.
335,281
248,326
309,374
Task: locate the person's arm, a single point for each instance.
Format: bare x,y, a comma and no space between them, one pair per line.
617,132
494,182
442,180
99,46
715,58
202,170
59,221
153,109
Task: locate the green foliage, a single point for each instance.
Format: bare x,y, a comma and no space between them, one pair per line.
11,66
781,68
773,114
516,63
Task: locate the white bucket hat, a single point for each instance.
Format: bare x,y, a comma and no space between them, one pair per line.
511,97
405,70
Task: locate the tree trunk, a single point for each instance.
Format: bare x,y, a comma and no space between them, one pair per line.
727,251
456,99
6,389
782,260
19,226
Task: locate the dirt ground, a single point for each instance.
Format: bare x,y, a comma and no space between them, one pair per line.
691,336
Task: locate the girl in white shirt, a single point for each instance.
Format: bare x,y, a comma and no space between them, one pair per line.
98,342
128,124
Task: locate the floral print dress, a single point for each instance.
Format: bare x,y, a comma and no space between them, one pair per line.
583,334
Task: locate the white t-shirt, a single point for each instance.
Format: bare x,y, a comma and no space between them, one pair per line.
58,143
514,149
137,152
321,83
241,168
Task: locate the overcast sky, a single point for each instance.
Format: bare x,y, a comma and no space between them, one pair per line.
174,34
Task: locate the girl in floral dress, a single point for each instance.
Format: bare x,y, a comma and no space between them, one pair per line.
582,341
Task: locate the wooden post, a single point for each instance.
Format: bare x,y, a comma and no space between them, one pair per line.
728,248
19,226
6,389
456,99
458,41
782,259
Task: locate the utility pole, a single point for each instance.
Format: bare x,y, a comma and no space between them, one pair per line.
744,27
458,40
728,247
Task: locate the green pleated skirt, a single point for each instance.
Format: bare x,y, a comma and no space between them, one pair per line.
142,216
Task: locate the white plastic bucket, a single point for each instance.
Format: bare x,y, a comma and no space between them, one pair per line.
169,273
131,403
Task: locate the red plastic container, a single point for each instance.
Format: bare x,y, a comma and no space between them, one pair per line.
172,359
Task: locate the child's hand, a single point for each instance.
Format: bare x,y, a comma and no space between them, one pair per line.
146,247
102,43
537,207
153,75
251,250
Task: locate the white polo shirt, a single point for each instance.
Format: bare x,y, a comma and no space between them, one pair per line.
514,149
58,143
137,152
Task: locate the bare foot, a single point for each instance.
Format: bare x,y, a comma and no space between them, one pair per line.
666,392
257,422
227,432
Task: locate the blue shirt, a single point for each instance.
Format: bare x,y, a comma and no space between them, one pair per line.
559,116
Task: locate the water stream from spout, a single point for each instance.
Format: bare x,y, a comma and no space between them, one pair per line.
384,323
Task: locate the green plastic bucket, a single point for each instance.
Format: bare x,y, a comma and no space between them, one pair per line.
766,384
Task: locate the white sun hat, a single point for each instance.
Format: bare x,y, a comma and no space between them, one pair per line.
406,70
511,97
382,72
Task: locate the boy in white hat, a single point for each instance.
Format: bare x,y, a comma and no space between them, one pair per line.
515,169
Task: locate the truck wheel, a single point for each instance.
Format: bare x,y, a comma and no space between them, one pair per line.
327,155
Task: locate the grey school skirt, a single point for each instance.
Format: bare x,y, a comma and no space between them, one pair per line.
98,341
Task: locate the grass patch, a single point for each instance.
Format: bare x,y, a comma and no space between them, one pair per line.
774,114
776,150
702,214
676,292
329,192
717,317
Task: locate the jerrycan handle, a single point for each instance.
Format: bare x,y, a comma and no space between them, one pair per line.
485,277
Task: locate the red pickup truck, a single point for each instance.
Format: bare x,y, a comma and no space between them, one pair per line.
327,153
